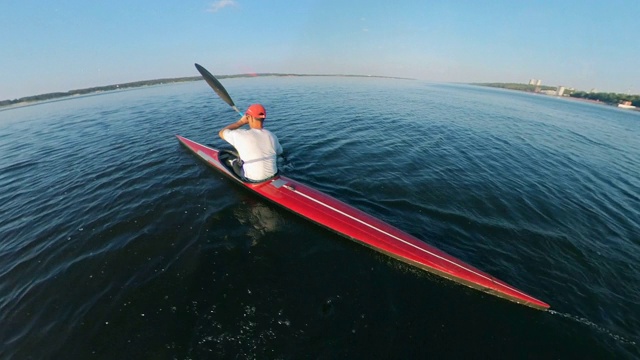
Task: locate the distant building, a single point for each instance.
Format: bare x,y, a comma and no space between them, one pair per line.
560,91
536,83
626,105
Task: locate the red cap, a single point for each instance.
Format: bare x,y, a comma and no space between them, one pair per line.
257,111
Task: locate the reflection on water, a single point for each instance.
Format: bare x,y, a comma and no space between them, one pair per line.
261,216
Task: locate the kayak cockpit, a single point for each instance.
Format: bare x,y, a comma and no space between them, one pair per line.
231,161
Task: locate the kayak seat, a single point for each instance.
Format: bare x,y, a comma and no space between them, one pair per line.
231,161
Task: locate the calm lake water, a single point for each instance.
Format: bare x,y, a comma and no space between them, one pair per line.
117,243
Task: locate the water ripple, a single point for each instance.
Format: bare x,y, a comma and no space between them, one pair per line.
116,241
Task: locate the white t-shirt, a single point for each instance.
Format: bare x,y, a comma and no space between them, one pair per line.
258,148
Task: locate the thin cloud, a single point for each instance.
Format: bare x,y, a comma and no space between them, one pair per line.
221,4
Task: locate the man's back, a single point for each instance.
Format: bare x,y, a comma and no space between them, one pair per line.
258,149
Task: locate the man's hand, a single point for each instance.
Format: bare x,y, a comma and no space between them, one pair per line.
236,125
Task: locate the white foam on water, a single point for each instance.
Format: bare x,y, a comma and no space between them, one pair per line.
595,326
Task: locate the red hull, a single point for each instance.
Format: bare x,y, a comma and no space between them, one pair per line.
363,228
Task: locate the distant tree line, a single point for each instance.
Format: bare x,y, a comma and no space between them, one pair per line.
519,87
56,95
608,98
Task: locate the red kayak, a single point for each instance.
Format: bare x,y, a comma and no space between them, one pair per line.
365,229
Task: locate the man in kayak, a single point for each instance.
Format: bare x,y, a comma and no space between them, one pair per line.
257,147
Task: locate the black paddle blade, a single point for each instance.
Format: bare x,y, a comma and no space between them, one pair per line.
215,85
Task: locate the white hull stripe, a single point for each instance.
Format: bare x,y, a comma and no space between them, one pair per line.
402,240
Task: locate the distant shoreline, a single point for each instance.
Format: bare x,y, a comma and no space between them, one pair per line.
57,95
609,99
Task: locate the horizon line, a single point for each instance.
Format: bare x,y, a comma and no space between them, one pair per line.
149,82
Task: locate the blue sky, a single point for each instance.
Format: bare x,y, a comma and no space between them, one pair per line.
49,46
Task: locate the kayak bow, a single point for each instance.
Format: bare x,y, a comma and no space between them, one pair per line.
365,229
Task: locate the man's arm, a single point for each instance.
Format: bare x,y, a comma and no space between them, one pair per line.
236,125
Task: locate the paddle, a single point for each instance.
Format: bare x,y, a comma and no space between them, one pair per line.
221,91
217,87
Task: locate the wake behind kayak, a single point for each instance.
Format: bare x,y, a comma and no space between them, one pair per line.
365,229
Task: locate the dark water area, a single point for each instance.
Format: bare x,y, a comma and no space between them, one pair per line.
117,243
